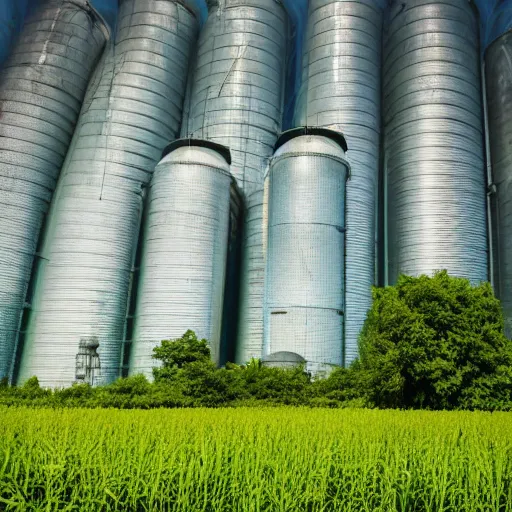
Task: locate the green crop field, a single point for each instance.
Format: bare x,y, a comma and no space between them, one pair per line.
255,460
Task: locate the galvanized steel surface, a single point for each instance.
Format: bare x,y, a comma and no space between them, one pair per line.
183,264
42,86
341,91
131,112
236,96
236,99
305,262
498,66
252,283
434,141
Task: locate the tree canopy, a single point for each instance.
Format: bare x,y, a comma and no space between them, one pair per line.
436,342
428,342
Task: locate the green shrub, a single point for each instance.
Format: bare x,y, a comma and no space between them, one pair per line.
438,343
428,342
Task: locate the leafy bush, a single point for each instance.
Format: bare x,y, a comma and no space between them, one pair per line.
428,342
437,343
175,354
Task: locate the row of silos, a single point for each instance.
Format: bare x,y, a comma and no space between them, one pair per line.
236,99
432,161
42,86
318,269
131,112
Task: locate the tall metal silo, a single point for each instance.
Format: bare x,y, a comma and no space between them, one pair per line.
252,281
304,297
434,141
498,69
42,86
341,91
184,255
236,99
132,110
236,96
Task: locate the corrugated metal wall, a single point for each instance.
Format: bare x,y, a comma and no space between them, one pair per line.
42,86
498,66
184,254
434,140
434,169
250,327
341,91
304,297
236,99
132,111
236,96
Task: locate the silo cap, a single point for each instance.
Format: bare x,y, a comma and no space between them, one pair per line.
311,130
201,143
283,357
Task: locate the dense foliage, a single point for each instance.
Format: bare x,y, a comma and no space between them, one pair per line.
255,460
435,343
196,384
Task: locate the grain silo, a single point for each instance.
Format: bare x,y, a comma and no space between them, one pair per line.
341,91
132,110
236,99
236,96
304,296
184,252
434,141
498,68
42,86
252,279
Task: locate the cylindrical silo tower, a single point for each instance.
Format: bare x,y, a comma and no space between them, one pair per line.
434,141
183,265
252,282
498,68
236,99
341,91
132,109
304,296
42,86
236,94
